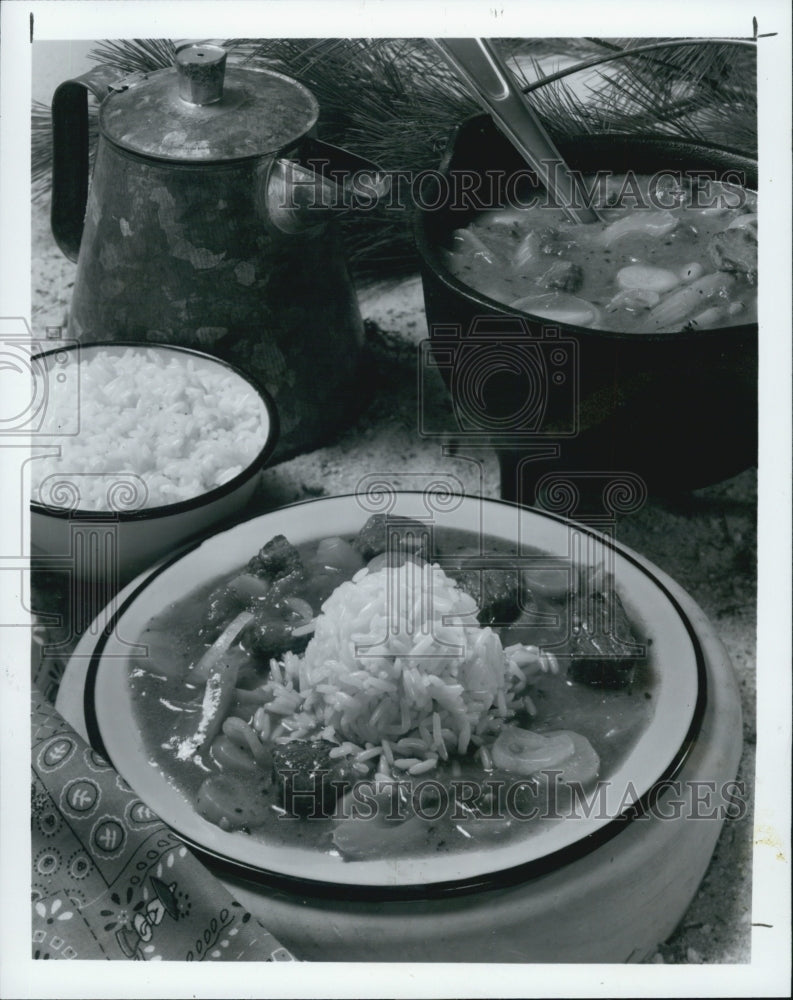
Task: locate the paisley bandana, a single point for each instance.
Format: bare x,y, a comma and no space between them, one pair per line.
109,879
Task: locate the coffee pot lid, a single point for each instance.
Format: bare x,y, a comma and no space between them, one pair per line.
200,111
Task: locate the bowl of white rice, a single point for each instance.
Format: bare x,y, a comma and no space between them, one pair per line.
139,448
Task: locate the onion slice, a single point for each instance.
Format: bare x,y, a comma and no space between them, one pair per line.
201,671
567,754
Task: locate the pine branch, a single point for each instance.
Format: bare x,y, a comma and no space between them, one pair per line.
395,102
136,55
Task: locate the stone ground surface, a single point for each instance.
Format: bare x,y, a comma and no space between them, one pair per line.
706,541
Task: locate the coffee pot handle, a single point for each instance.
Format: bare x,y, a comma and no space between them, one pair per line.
70,135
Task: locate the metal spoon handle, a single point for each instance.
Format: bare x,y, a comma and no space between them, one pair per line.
478,64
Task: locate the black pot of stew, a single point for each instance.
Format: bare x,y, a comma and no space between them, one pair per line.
627,345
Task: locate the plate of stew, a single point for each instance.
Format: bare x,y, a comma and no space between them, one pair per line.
398,695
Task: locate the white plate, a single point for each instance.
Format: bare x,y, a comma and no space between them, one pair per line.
674,656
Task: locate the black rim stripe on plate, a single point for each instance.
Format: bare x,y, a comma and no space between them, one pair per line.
490,880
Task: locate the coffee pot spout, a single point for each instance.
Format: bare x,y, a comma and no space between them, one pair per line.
303,194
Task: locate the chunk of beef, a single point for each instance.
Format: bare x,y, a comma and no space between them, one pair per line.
602,647
403,534
285,586
279,568
735,250
308,780
496,592
271,634
563,276
554,242
278,558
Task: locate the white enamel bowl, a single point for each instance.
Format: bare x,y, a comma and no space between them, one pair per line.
112,547
597,888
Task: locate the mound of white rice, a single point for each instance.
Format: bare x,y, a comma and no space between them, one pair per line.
398,666
182,424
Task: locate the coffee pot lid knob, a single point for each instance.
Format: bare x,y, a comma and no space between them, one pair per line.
201,69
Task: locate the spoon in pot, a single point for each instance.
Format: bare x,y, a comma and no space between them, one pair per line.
479,66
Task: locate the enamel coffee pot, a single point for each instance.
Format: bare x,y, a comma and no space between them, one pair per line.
210,221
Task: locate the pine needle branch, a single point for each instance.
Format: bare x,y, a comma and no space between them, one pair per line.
395,102
136,55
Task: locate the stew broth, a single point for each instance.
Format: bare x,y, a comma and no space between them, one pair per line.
479,803
668,255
